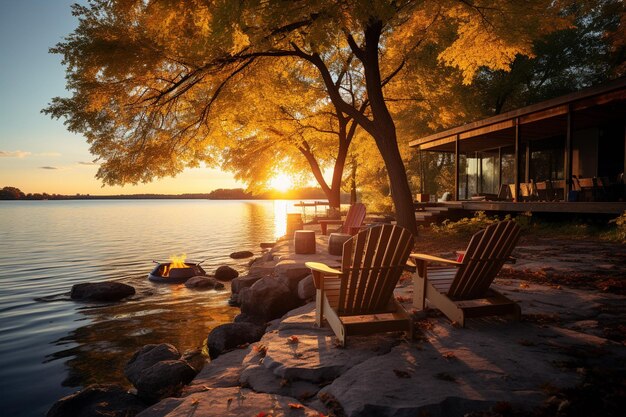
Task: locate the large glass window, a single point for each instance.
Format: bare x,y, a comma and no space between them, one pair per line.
546,160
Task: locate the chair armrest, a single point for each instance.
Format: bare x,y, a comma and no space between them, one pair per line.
431,258
331,221
324,224
323,268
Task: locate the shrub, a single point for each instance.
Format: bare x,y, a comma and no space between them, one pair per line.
466,226
619,233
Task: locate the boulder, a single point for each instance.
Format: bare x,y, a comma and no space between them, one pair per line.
204,282
195,359
241,254
163,379
221,372
306,288
225,273
148,356
244,281
268,299
292,269
101,291
98,400
292,281
230,335
246,318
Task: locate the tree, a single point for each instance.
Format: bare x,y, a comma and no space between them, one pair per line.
293,129
11,193
151,78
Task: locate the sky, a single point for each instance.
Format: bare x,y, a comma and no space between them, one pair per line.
37,153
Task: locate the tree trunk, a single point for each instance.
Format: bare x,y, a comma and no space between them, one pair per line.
384,131
333,193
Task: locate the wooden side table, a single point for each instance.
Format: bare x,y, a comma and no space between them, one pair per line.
304,241
336,241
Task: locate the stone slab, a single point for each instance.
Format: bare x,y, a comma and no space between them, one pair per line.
230,402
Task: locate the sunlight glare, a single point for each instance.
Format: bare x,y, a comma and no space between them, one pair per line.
281,182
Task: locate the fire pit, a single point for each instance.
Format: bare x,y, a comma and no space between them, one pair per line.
176,271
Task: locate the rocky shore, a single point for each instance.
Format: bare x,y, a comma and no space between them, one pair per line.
274,361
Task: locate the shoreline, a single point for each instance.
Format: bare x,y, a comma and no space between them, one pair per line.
445,371
294,368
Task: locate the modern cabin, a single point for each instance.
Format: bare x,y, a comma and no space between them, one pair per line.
566,154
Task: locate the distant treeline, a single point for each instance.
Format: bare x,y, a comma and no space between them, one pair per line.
309,193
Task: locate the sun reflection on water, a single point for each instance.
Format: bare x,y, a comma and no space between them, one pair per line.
280,217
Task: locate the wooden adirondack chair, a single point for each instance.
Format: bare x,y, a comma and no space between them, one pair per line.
358,298
463,290
353,222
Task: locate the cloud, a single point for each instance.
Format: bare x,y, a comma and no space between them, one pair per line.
48,154
14,154
48,167
87,163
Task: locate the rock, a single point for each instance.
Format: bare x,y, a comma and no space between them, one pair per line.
101,291
262,379
292,269
230,335
98,400
221,372
241,254
246,318
268,299
163,379
459,371
195,359
204,282
306,288
313,356
231,402
292,281
148,356
244,281
225,273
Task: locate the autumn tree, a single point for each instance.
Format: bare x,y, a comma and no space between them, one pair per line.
292,128
150,79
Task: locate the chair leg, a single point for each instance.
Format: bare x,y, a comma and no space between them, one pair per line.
319,307
419,285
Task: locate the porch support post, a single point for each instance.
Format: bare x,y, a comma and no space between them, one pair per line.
456,168
517,160
527,163
567,161
499,167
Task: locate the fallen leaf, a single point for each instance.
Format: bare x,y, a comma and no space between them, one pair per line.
449,355
293,340
295,405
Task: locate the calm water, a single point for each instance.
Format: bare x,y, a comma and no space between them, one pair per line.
51,347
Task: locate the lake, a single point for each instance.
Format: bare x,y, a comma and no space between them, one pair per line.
51,346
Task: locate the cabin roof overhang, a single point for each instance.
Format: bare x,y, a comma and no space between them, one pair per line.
541,120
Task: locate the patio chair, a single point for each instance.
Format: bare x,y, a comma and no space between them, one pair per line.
352,223
358,298
462,289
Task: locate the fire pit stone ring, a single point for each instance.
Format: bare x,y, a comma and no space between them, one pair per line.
175,275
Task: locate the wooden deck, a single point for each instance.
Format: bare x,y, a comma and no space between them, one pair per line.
539,206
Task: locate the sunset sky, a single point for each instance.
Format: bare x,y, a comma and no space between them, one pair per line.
37,154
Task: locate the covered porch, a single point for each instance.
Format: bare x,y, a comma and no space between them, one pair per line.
565,155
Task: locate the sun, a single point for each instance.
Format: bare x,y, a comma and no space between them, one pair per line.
281,182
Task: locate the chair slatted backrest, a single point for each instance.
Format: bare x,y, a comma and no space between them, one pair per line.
354,217
373,261
484,257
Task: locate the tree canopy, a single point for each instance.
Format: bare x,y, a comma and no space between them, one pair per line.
151,80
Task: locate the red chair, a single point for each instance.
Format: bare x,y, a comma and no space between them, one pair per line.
353,222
